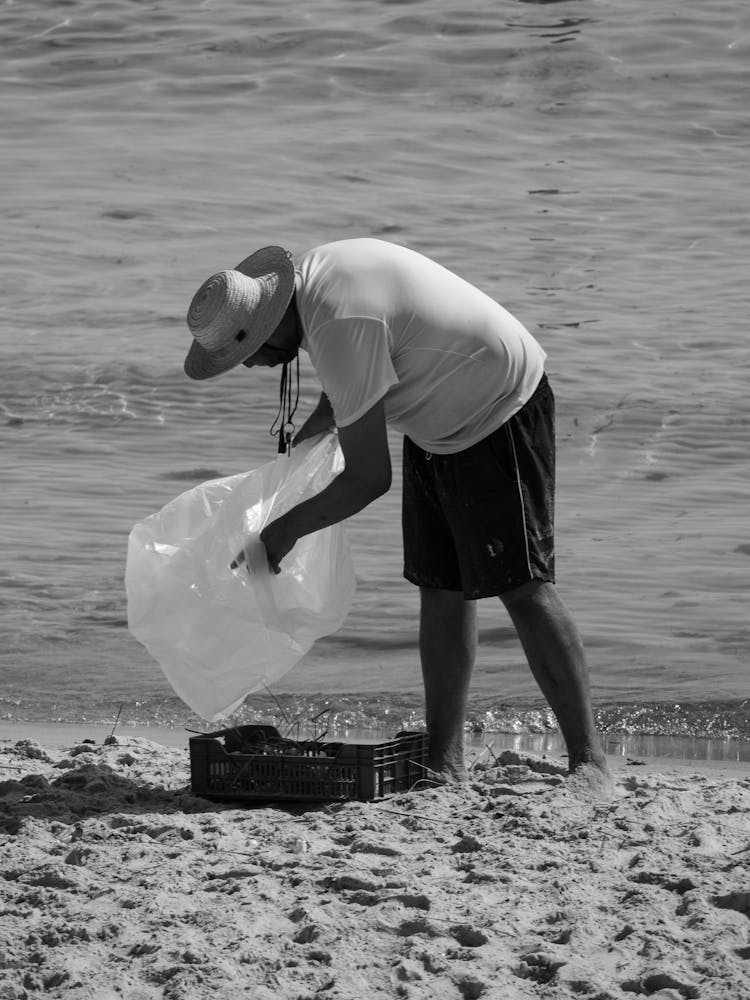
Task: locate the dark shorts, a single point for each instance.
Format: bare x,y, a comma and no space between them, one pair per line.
482,520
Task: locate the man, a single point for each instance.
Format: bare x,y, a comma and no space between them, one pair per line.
396,338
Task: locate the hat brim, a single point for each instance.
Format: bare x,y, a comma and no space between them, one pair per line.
202,364
272,260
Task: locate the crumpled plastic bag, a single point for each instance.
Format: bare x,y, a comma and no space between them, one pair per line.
221,634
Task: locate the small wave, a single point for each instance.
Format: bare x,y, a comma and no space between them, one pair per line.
192,475
110,621
367,643
108,393
715,731
126,214
707,721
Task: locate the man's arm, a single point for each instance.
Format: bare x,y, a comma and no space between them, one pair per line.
366,476
321,419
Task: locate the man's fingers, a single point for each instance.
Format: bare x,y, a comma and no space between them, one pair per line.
252,564
238,560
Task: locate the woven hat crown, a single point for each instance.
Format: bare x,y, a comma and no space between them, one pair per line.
221,301
234,312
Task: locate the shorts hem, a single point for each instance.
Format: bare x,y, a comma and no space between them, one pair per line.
485,592
508,587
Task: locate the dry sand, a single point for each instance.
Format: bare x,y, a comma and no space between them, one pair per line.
119,883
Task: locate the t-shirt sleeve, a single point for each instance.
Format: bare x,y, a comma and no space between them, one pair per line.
353,360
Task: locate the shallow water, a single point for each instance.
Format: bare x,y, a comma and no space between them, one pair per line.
584,163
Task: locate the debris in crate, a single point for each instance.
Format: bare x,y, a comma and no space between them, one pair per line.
256,762
262,742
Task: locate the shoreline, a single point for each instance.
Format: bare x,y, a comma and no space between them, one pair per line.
622,751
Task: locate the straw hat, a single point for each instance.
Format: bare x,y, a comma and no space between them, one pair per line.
234,312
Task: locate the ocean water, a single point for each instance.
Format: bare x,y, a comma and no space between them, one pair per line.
585,162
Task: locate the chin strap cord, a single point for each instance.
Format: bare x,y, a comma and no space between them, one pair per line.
282,424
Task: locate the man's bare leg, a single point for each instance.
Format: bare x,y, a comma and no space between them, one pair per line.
555,653
447,646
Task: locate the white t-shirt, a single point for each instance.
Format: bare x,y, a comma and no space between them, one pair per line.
381,321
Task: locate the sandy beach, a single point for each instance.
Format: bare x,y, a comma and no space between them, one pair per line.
118,882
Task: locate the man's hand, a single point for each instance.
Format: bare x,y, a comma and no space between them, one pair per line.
277,541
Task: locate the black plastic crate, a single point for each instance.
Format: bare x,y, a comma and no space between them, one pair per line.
257,763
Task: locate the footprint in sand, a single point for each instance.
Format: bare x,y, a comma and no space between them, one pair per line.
539,966
739,901
658,981
471,988
468,936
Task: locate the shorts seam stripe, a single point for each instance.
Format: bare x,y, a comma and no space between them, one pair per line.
520,499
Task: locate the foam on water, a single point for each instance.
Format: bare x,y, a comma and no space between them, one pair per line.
585,164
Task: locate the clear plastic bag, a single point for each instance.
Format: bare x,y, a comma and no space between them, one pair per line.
221,634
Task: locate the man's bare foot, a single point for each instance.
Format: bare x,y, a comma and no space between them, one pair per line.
446,772
591,777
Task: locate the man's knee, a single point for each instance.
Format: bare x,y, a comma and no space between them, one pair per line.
527,595
445,608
